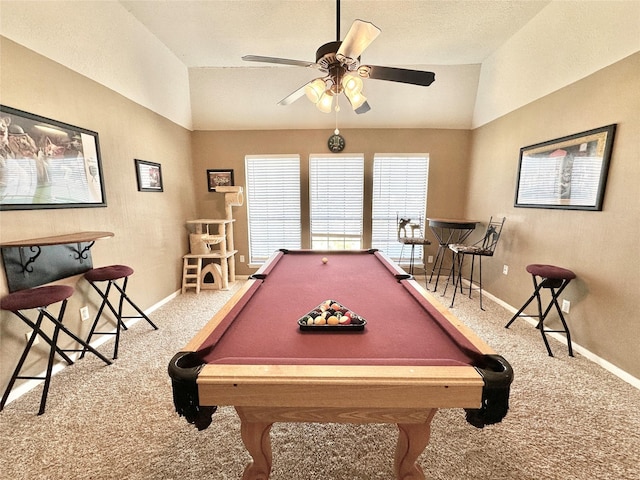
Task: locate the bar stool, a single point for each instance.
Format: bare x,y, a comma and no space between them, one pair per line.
413,240
556,280
111,274
40,298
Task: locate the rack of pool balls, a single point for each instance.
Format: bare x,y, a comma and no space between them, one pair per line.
331,313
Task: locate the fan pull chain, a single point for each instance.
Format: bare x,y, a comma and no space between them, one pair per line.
337,109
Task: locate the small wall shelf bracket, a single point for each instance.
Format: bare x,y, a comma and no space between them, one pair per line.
82,254
27,260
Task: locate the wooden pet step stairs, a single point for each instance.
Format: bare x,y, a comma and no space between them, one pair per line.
191,273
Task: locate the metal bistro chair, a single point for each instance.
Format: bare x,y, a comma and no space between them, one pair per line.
412,240
485,247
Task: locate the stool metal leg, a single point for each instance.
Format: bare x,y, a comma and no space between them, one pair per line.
119,324
536,289
124,296
411,258
23,357
85,346
53,341
551,284
437,264
554,301
471,283
457,260
117,313
52,353
44,336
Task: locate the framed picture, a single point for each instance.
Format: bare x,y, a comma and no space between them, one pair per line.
45,163
567,173
149,176
219,178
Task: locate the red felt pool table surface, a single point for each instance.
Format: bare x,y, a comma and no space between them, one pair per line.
402,328
412,357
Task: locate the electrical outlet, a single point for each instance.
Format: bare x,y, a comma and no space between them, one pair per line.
566,306
35,341
430,259
241,258
84,313
505,269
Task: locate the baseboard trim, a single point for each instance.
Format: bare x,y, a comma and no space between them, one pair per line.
617,371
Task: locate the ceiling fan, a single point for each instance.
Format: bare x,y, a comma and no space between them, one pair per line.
339,61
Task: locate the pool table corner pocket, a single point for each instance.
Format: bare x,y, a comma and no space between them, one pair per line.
184,368
497,374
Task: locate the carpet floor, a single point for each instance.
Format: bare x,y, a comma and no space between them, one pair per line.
568,418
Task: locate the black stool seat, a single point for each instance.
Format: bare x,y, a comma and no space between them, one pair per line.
555,279
111,274
40,298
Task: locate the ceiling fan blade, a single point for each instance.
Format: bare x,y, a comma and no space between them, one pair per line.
364,108
402,75
299,93
359,37
279,61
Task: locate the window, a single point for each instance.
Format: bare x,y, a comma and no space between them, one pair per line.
399,189
273,204
336,191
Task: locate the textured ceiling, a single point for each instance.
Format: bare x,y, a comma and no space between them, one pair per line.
450,38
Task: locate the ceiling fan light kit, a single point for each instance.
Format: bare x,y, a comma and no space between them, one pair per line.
325,103
340,62
315,89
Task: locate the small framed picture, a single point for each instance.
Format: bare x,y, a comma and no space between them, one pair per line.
149,176
219,178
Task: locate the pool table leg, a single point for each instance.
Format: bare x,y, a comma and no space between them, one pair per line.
255,436
413,438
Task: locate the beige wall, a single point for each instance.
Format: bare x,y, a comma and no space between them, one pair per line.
149,227
448,156
472,174
602,248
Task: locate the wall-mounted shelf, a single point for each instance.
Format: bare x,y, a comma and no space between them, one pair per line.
79,237
36,261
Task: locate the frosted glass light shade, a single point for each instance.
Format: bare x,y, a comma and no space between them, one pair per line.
352,84
325,103
315,89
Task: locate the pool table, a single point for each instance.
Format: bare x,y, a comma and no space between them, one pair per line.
410,358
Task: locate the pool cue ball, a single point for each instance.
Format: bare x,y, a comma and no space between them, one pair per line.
325,259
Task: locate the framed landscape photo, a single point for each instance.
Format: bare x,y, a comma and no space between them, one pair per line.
566,173
45,163
149,176
219,178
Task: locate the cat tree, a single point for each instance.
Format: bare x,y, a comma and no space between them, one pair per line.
212,239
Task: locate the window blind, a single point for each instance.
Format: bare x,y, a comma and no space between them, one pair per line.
336,191
399,190
273,204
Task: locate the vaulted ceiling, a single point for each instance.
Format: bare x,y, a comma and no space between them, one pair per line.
451,38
